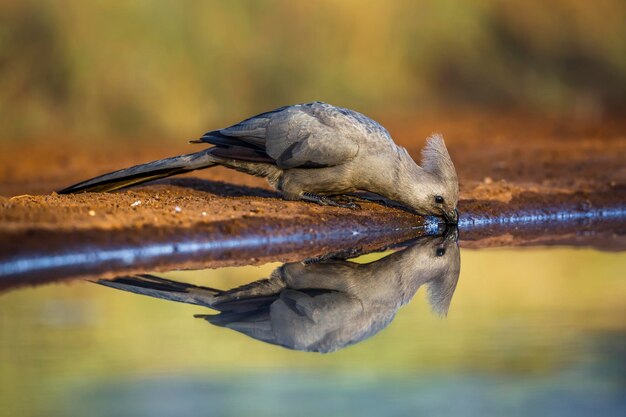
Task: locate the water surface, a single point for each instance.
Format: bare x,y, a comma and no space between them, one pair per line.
535,331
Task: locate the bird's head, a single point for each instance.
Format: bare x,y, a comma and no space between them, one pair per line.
434,188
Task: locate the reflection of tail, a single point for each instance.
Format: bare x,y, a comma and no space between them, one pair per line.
166,289
144,172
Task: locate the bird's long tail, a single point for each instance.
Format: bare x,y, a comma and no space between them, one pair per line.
163,288
145,172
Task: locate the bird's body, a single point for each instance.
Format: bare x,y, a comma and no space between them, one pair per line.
309,152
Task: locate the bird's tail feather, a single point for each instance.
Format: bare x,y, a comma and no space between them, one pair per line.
145,172
163,288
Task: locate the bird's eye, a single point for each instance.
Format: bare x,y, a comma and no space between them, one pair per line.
441,251
438,199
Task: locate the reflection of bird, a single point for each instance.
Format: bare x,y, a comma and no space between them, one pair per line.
323,306
312,151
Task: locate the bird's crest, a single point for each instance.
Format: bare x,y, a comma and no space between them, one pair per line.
441,290
436,159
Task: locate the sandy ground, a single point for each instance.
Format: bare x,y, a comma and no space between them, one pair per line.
506,164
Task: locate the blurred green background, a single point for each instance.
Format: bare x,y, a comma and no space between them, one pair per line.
174,69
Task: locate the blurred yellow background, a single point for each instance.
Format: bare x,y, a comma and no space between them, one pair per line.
175,69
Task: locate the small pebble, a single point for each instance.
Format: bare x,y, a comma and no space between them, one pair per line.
177,209
91,213
136,203
204,213
487,180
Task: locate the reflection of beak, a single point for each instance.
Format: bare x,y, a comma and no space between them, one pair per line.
451,234
452,217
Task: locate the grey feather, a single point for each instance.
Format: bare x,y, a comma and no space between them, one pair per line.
299,135
145,172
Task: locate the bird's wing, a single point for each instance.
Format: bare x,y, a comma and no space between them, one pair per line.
307,135
258,317
320,323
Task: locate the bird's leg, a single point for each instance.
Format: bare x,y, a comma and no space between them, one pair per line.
327,201
375,198
346,200
340,255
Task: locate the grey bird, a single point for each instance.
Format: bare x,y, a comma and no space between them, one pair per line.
320,307
313,152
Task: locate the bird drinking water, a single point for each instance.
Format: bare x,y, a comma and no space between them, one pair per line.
313,152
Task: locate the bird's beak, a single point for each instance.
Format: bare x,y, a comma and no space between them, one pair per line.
452,216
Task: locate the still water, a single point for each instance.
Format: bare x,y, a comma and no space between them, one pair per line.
533,331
